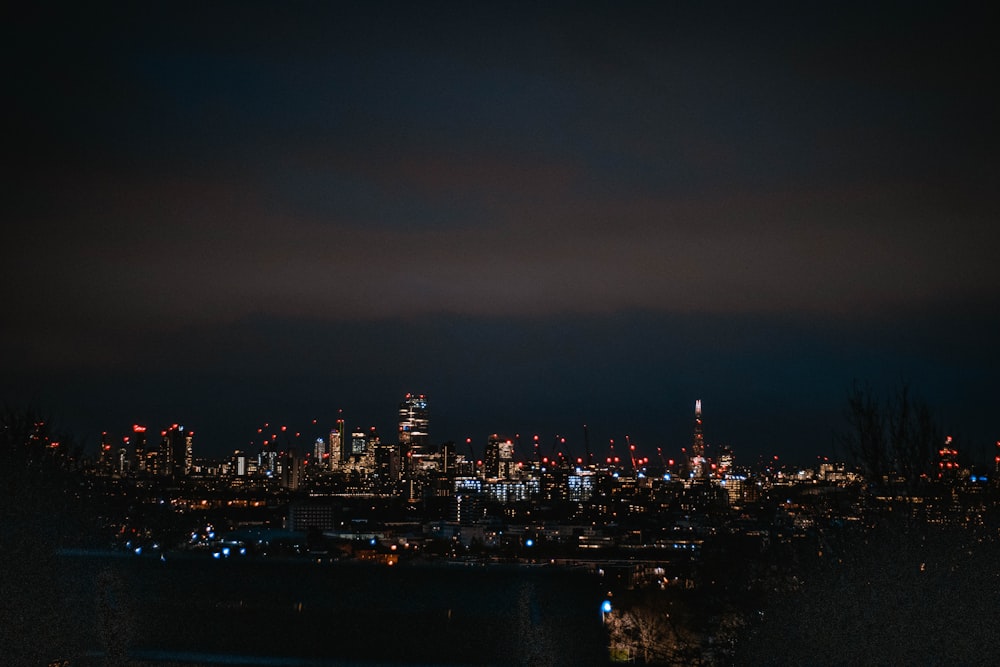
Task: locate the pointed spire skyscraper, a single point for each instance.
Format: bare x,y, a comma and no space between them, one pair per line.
697,465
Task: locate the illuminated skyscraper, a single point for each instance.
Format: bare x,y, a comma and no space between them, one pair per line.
337,445
726,461
359,442
139,449
176,454
499,457
948,466
319,452
697,465
413,421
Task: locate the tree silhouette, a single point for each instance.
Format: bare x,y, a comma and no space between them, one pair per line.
34,502
43,506
893,437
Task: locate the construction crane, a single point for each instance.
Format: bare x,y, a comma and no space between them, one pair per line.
631,453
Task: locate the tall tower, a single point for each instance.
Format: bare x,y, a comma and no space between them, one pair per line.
320,454
413,421
337,444
175,452
334,448
697,466
139,440
291,470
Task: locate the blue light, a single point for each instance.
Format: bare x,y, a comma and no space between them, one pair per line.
243,551
216,554
529,542
211,535
973,479
606,606
225,551
138,551
667,477
372,541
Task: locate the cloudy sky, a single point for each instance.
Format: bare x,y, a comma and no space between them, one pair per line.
540,217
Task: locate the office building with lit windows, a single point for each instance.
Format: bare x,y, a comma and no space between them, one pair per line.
176,452
499,457
413,421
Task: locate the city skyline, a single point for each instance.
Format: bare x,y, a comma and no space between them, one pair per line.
412,432
539,216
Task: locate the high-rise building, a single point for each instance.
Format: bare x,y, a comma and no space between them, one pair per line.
360,456
176,452
359,442
319,452
336,448
413,421
239,464
188,452
291,469
499,457
697,465
726,461
948,466
389,461
139,447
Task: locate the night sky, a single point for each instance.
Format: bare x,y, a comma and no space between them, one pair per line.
221,214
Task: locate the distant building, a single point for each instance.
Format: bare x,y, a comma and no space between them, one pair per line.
697,464
238,464
336,446
291,470
499,457
106,462
726,461
311,515
359,442
361,453
511,491
389,462
176,452
414,423
319,452
580,485
138,442
948,467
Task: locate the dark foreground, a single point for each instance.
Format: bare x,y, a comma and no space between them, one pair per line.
138,610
